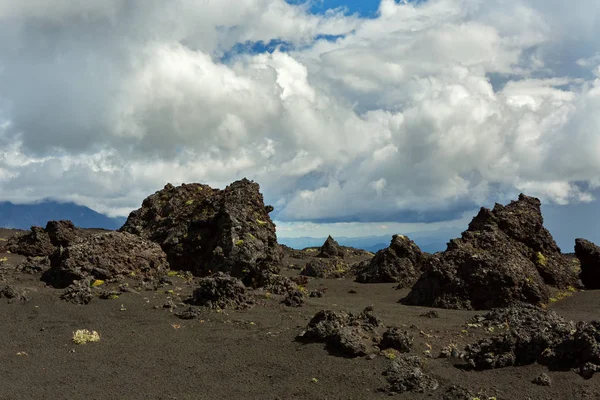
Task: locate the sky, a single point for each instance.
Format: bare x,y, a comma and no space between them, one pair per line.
353,116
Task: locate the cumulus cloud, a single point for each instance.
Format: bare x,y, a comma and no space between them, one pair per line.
416,115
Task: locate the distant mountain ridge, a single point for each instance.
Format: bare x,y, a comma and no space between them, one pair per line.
23,216
430,242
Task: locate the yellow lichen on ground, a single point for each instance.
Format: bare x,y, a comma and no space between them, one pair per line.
82,336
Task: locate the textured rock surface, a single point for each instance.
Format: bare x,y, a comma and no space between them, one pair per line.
504,257
106,256
343,333
331,249
40,242
589,257
220,291
207,230
401,262
407,374
325,268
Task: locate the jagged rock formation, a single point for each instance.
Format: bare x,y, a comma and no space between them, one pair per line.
106,256
589,257
206,230
331,249
40,242
505,256
401,262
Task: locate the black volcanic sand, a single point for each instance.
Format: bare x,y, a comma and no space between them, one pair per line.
146,352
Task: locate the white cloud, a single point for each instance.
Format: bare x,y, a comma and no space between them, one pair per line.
417,114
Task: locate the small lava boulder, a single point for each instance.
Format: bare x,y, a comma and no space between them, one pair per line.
40,242
401,263
220,291
407,374
505,256
589,257
206,230
344,334
106,256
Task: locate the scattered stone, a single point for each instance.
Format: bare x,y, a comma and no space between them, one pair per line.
395,338
317,292
189,313
344,334
589,257
206,230
109,295
78,292
294,298
220,291
505,256
12,294
542,380
106,256
406,374
400,263
352,291
331,249
325,268
449,351
430,314
455,392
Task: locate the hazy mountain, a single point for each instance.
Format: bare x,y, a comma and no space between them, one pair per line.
23,216
429,241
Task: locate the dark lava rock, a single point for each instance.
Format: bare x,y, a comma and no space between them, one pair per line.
189,313
286,251
79,292
401,262
206,230
525,332
279,284
458,393
535,335
12,294
344,334
325,268
331,249
34,265
430,314
505,256
220,291
40,242
395,338
406,374
294,298
542,380
589,257
106,256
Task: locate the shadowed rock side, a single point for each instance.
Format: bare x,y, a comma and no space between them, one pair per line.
106,256
589,257
205,230
331,249
401,262
40,242
505,256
